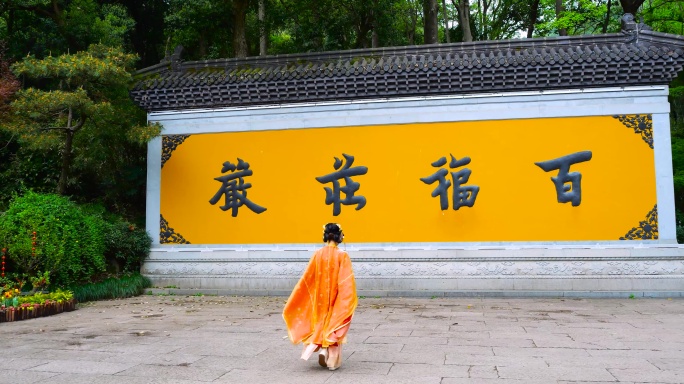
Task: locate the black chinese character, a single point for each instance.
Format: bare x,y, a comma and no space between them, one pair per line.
564,192
234,188
332,196
462,195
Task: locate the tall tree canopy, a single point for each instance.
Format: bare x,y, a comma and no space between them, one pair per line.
77,104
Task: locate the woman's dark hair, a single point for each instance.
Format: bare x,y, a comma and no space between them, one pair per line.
332,231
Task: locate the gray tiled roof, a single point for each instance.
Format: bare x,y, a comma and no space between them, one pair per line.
636,56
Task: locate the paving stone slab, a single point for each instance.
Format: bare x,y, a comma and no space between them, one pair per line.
427,357
315,375
418,370
174,372
73,378
346,378
20,363
243,340
79,366
652,376
11,376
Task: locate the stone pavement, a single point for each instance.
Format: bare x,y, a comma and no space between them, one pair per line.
193,339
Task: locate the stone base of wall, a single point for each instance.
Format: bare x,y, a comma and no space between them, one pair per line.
597,270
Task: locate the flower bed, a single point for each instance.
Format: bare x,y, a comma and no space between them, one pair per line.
38,305
31,311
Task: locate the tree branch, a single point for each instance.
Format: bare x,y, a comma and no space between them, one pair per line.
8,142
80,124
55,128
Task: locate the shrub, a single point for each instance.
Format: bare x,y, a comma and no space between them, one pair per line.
48,232
127,244
113,288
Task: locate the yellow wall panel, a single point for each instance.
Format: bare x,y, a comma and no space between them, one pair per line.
516,201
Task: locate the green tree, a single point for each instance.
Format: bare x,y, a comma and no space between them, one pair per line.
581,17
45,27
664,15
146,38
202,27
75,96
499,19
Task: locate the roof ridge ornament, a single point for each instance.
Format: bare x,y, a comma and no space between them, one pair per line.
632,29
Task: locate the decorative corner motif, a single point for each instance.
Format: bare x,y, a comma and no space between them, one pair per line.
641,124
169,144
167,235
647,229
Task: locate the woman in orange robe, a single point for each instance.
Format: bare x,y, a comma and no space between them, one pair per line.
320,308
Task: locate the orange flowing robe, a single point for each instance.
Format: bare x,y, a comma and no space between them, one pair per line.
321,306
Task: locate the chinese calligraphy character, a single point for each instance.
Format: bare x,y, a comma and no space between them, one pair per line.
564,192
332,196
462,195
234,188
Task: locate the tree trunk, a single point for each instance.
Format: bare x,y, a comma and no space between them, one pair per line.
66,156
446,22
483,20
375,39
430,21
534,15
414,23
202,44
463,7
263,37
362,35
631,6
10,22
57,14
560,8
607,19
66,163
318,37
375,36
239,26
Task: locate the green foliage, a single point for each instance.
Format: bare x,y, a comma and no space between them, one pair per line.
23,168
59,296
81,108
677,139
499,19
677,103
199,26
664,15
98,66
127,244
581,17
61,26
113,288
142,134
46,232
40,281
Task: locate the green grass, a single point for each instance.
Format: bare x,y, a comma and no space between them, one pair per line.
113,288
